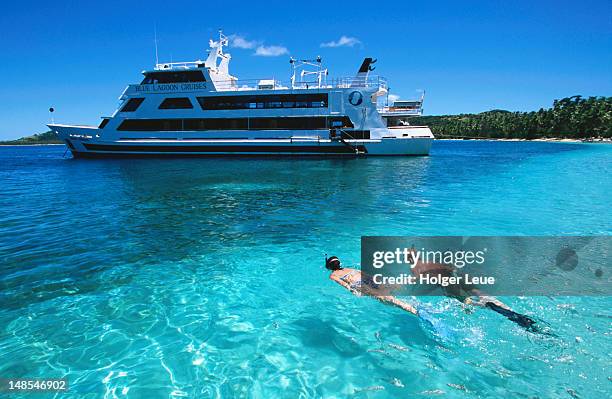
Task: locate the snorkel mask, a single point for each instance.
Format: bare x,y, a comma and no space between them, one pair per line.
333,263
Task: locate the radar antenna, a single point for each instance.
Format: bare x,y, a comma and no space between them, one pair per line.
216,51
301,65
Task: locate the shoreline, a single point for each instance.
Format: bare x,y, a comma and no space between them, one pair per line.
28,145
547,140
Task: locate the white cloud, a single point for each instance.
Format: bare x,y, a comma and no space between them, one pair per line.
271,51
393,98
240,42
344,41
261,49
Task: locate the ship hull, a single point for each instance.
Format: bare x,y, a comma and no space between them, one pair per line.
84,142
415,147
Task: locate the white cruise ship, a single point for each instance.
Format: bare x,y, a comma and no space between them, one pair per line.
198,108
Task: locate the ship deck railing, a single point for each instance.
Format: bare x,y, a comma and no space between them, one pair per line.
261,84
178,65
327,83
400,111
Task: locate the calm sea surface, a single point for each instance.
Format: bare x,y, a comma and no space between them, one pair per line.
205,278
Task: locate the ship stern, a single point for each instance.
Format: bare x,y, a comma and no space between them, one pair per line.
403,140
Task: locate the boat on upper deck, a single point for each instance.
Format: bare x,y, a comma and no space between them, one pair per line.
199,108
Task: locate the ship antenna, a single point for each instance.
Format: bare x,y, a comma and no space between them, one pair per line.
155,33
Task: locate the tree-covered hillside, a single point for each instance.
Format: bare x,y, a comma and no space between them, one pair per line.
573,117
49,137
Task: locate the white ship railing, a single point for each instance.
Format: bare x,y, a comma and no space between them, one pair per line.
400,111
403,107
273,84
256,84
250,84
178,65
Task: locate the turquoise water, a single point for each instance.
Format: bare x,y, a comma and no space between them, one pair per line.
205,278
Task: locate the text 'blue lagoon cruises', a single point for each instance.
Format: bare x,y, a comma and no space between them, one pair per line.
198,108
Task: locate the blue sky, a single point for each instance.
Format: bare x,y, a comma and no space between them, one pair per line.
469,56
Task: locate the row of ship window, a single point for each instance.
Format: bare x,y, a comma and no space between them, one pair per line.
315,100
266,123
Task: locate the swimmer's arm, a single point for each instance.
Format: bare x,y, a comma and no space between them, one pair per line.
396,302
388,299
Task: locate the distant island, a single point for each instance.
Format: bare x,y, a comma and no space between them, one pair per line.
49,137
574,117
569,118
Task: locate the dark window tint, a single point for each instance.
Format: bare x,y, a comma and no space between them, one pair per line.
339,122
356,134
103,123
283,123
173,77
316,100
176,103
132,104
318,122
217,124
151,124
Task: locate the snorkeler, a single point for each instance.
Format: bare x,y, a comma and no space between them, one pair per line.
469,294
360,283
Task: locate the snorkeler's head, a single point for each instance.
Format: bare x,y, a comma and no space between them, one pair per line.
333,263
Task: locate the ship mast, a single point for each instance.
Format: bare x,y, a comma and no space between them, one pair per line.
301,65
